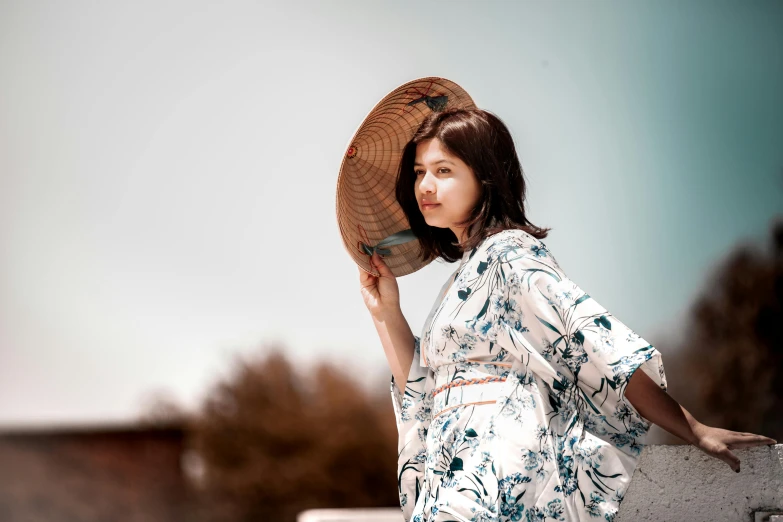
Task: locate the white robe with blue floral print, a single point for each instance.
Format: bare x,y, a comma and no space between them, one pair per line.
542,431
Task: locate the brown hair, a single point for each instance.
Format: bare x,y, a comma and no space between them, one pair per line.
484,143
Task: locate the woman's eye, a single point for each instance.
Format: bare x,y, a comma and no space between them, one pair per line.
443,170
419,172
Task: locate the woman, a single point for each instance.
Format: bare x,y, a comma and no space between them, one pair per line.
520,400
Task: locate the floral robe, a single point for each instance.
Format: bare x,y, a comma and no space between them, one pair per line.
514,408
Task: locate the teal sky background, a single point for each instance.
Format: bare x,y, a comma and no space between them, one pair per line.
168,173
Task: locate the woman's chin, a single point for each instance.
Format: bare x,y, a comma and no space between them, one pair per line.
433,219
434,223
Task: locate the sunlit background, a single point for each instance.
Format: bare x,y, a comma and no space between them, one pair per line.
168,173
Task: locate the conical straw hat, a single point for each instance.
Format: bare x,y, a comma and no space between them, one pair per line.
367,210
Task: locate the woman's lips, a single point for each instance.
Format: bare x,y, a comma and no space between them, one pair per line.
427,206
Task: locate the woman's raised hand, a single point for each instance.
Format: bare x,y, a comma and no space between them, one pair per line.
381,294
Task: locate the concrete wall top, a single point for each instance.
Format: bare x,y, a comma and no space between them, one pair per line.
682,483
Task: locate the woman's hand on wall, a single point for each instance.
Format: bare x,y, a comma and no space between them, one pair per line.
718,443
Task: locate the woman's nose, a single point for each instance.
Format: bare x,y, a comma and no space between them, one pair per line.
426,185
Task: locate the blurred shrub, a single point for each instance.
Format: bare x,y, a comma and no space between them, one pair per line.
274,442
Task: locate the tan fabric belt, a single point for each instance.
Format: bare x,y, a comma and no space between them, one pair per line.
482,384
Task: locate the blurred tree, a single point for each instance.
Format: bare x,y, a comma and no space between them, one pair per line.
160,408
274,442
729,368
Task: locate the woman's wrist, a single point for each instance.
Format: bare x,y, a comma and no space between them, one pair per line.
391,312
696,428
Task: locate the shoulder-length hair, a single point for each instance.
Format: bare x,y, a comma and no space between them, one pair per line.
484,143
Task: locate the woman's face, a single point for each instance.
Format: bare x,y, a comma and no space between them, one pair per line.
446,188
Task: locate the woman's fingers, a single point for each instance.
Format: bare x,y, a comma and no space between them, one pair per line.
367,281
384,270
748,440
366,278
730,458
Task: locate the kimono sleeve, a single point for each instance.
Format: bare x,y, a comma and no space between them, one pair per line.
587,352
413,412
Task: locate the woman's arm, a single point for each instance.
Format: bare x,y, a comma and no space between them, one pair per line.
397,340
660,408
382,297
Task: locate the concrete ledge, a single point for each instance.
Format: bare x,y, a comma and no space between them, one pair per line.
676,483
671,484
